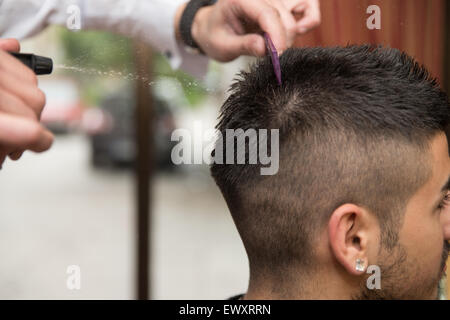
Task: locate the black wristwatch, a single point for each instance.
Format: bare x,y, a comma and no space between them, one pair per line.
186,23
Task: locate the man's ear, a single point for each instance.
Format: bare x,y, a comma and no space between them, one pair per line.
350,231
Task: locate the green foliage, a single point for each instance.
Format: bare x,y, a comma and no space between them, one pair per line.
99,50
105,52
193,89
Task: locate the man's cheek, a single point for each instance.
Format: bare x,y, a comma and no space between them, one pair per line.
447,232
445,221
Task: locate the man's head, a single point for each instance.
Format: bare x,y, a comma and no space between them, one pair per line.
363,172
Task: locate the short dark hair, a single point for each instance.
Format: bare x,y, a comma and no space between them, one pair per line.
355,126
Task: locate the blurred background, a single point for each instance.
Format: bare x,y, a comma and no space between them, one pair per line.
77,204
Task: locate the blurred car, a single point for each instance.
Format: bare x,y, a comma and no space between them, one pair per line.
63,109
111,128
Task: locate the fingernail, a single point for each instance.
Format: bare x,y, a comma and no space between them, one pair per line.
303,30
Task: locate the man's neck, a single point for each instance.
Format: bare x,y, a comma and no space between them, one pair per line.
321,287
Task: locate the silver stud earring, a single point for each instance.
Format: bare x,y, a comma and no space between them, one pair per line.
359,265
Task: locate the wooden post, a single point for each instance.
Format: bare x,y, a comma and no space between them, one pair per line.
143,169
447,48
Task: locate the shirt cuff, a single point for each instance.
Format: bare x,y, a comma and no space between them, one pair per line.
179,58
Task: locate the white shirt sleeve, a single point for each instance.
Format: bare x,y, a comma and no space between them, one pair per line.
151,21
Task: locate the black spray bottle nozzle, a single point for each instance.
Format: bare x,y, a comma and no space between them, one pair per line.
40,65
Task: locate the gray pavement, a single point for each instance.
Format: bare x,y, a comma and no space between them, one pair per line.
56,211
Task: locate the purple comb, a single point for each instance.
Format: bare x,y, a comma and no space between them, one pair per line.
274,55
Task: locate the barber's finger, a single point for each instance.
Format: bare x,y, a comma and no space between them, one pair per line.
288,21
311,18
297,4
20,133
10,45
249,44
30,94
13,66
16,155
268,19
11,104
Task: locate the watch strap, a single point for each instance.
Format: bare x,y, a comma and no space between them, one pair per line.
187,20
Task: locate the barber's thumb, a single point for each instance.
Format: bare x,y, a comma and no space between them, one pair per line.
250,44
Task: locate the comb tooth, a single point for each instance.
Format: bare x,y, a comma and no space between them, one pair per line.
274,57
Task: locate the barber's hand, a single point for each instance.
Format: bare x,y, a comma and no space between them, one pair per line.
21,104
232,28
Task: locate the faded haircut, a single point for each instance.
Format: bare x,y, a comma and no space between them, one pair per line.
355,126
